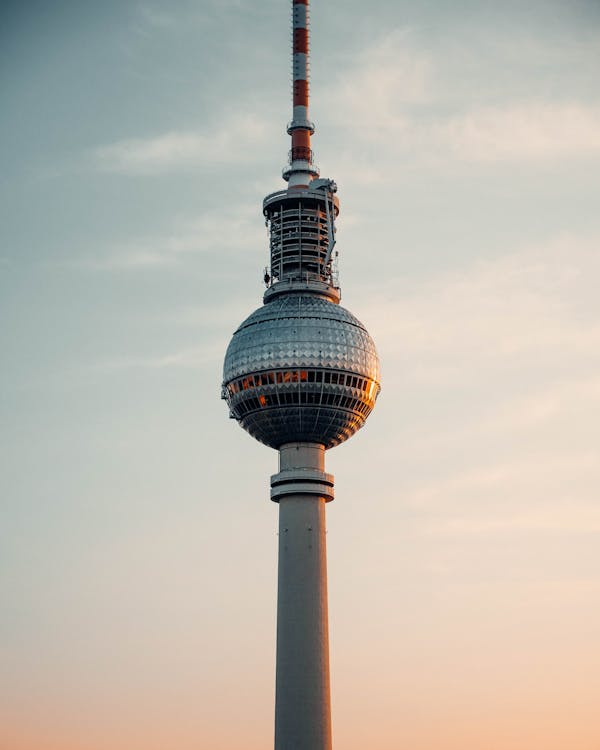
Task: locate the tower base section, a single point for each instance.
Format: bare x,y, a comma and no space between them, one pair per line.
302,702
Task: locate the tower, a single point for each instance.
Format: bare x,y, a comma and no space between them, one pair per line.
301,375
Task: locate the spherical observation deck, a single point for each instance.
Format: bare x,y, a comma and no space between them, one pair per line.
301,369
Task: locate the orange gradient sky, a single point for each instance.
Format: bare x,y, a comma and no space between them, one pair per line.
138,544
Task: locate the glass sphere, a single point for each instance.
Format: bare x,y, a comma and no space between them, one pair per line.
301,369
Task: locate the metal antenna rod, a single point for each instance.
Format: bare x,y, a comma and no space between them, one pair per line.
302,169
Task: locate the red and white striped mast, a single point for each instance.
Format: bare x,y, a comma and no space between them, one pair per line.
301,170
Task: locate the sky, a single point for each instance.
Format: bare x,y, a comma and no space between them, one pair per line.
138,543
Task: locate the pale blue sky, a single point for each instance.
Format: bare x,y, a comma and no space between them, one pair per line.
138,547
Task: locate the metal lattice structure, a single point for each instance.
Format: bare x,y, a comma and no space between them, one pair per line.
301,234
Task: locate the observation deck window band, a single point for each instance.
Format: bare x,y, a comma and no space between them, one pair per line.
277,377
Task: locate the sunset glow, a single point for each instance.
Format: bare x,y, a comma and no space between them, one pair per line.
138,542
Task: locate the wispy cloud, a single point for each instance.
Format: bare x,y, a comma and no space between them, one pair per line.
537,304
232,142
415,106
529,131
569,519
385,80
189,358
155,18
510,348
531,494
188,239
130,256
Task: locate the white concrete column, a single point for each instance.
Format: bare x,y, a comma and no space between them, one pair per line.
302,702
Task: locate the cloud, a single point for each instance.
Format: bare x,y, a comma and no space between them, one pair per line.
497,366
550,492
384,81
194,358
529,131
536,305
568,519
442,105
232,142
129,257
536,468
155,18
188,239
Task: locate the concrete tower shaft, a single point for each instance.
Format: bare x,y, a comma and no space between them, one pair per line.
302,694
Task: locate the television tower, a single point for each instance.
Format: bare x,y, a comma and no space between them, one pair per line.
301,375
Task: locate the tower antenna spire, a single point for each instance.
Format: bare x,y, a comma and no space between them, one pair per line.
301,168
